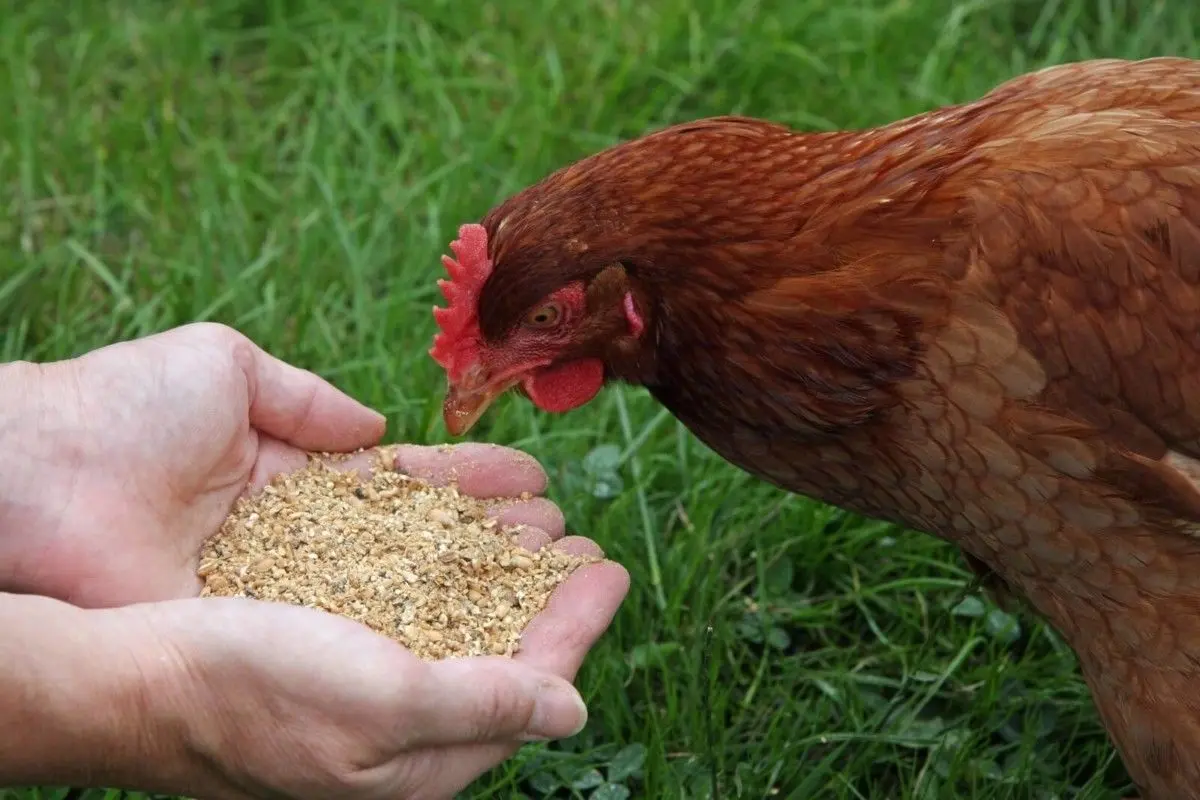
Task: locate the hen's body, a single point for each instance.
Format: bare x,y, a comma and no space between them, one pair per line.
1049,257
982,322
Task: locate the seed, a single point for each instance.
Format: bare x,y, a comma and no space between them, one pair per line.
412,561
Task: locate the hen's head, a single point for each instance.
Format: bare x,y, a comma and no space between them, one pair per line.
566,284
553,347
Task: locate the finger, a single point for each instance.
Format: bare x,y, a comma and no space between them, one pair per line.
576,616
446,770
579,546
536,512
488,699
276,458
533,539
297,407
481,470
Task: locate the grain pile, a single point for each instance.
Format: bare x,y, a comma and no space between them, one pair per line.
423,565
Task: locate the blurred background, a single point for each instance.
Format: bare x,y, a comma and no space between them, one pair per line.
295,169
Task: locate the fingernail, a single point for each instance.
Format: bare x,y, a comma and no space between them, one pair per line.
558,713
408,457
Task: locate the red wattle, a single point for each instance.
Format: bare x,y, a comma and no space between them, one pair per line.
567,386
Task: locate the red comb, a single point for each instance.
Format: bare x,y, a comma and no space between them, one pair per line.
457,343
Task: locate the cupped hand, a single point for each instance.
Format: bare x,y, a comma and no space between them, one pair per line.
124,460
280,701
137,453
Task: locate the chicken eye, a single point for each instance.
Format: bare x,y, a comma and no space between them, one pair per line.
544,316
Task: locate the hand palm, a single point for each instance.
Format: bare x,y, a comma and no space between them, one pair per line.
130,505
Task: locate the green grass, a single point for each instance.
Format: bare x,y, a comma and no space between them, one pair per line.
295,168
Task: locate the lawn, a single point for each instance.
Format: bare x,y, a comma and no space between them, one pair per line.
295,170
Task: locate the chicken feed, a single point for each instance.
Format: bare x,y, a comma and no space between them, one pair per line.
421,564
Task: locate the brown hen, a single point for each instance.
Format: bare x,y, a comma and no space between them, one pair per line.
982,322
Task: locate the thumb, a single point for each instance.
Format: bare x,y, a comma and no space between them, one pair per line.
490,699
301,409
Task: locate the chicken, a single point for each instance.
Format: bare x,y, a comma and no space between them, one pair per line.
982,322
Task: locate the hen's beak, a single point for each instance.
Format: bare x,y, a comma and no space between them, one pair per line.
466,402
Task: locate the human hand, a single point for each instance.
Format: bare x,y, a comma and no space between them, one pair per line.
242,699
258,701
138,451
308,709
